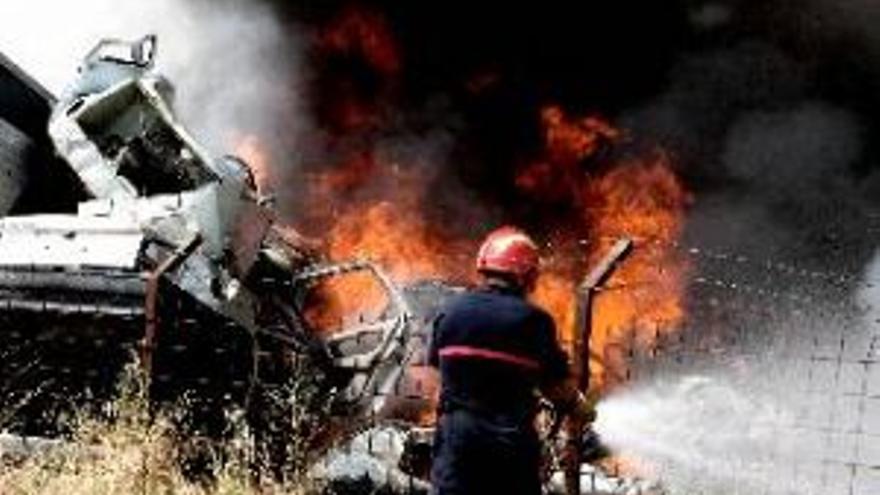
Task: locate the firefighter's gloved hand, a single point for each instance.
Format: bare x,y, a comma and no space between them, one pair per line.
591,447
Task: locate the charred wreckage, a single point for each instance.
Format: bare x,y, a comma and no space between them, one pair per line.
150,243
120,232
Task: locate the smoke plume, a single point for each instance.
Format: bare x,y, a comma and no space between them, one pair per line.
235,68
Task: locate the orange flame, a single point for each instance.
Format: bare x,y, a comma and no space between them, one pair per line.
251,150
365,34
386,227
372,208
344,300
569,140
641,199
392,231
567,143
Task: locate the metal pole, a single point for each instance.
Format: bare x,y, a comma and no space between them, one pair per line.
151,303
580,349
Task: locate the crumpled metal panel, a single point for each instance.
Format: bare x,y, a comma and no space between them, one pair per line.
14,147
69,241
86,160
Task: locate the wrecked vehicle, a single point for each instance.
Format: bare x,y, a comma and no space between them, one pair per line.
120,234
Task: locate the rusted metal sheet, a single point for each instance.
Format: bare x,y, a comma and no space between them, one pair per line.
151,305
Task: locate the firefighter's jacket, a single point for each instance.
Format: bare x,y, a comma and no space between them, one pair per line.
493,349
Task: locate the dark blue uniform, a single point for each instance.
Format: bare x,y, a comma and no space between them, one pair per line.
493,350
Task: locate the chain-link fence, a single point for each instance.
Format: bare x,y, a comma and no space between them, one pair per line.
802,342
799,337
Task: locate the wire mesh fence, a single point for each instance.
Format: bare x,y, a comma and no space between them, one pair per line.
798,336
803,341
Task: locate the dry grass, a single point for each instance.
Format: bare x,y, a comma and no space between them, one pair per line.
129,451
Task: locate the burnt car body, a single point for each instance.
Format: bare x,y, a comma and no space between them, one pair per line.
120,234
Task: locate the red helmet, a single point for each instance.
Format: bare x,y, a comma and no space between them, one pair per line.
509,251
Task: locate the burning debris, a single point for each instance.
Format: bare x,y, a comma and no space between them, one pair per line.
382,188
160,248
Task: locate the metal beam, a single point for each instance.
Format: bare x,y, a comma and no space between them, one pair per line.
580,349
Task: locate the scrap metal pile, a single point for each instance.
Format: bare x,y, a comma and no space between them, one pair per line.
146,242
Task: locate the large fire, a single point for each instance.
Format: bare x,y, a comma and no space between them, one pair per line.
558,174
374,210
372,206
367,206
387,229
637,197
644,201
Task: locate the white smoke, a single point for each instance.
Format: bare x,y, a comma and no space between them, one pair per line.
234,65
776,430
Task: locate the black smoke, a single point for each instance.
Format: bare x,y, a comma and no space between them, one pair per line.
767,104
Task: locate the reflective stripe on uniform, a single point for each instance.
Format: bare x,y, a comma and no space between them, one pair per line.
464,351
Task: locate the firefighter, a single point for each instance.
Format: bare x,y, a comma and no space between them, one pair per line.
496,352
